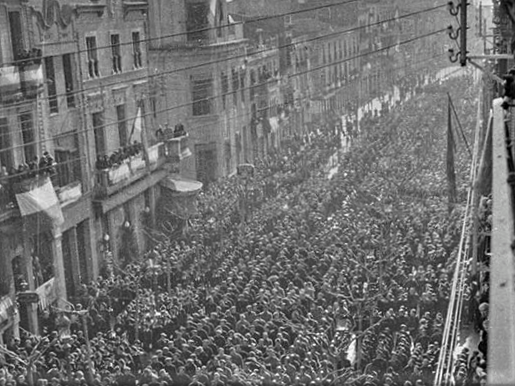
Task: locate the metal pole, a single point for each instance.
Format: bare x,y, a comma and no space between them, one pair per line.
88,349
136,326
360,337
463,33
168,278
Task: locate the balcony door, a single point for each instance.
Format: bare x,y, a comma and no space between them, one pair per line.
29,139
16,29
5,145
207,163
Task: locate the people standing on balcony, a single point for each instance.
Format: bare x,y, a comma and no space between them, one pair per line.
118,156
179,130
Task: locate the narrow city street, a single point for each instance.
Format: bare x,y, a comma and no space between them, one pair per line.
256,193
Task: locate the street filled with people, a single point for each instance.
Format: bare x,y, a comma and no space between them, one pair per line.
288,278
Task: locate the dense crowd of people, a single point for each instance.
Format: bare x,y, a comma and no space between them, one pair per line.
316,281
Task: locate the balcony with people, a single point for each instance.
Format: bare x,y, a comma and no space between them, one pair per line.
120,168
27,178
131,163
176,142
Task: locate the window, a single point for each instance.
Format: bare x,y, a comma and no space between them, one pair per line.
5,145
228,157
83,247
91,49
69,254
43,259
16,34
116,53
197,22
153,106
53,104
98,130
68,166
27,131
238,147
242,84
206,162
202,90
252,83
235,85
225,88
136,50
122,125
18,272
69,80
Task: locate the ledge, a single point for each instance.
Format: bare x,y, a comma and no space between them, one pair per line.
81,9
105,204
501,336
134,6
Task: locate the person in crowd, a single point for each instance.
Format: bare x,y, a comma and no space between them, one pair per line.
299,294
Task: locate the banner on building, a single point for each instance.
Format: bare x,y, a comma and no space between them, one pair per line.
137,128
39,204
6,309
47,295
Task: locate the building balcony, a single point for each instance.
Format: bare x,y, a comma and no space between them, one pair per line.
69,193
156,155
177,148
116,177
30,192
112,179
501,336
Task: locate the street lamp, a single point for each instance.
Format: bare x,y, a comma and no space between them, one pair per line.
65,337
108,258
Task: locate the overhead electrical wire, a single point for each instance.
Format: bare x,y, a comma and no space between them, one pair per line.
261,84
130,119
227,59
249,21
101,86
87,158
238,116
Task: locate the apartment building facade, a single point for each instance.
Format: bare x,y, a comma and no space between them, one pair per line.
198,52
75,87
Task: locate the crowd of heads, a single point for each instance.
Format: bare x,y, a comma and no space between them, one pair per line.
317,282
119,156
38,166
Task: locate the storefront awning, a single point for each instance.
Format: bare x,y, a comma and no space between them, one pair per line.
181,186
183,200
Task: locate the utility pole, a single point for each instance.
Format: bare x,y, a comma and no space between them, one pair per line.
460,33
463,35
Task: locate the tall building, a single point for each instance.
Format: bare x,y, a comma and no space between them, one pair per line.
75,88
198,54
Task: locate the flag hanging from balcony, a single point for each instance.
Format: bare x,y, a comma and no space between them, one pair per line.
137,128
39,205
138,133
